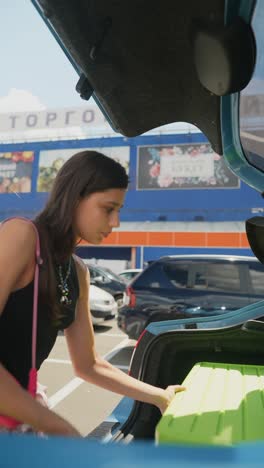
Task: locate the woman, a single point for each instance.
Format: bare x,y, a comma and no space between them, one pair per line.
84,203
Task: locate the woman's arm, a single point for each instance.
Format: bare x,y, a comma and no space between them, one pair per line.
89,366
17,403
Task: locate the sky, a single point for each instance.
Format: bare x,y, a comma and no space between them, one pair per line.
35,73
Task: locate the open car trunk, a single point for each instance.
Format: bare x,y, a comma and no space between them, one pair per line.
136,60
168,358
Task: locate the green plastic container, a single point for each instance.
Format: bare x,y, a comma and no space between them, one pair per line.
223,405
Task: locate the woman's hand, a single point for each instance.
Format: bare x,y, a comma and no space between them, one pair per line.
167,395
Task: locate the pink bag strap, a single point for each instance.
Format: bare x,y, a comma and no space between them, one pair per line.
39,261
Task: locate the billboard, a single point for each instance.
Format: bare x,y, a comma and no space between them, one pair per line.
16,171
182,166
50,162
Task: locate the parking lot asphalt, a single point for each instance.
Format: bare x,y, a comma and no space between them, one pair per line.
81,403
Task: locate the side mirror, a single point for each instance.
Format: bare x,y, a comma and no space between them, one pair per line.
255,235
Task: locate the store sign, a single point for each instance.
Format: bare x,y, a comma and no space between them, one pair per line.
177,166
60,118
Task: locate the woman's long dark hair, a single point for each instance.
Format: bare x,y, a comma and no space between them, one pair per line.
84,173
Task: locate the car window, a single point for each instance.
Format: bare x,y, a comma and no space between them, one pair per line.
126,275
193,275
167,275
252,100
111,274
177,274
93,273
257,278
205,276
153,277
220,277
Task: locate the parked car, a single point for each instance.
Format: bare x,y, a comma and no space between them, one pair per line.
181,286
102,305
128,275
106,279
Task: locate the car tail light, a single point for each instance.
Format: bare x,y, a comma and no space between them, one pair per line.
131,296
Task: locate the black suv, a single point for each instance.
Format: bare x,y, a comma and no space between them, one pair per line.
190,286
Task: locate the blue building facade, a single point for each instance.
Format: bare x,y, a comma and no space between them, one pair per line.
174,178
151,195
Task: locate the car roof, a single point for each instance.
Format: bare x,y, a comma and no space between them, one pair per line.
130,270
240,258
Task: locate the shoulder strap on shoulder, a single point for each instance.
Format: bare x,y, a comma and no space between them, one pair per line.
32,386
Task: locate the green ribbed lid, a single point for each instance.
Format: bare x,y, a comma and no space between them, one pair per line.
222,405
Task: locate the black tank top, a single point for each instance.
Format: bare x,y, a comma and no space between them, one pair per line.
16,328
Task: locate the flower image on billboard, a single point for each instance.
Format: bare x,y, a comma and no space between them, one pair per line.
182,166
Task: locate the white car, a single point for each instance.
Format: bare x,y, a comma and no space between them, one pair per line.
128,275
102,305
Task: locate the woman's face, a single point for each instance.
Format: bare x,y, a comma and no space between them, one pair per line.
97,214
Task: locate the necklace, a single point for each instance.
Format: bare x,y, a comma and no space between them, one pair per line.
63,285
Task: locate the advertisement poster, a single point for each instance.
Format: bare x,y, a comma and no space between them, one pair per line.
184,166
50,162
16,171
